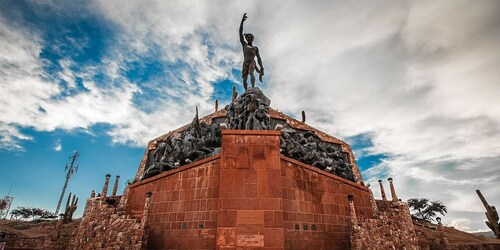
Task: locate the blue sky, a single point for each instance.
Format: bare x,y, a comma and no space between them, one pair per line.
411,86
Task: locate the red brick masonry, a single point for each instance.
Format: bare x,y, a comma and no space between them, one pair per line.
249,196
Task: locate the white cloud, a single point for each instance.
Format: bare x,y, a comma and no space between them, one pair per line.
58,146
22,88
10,137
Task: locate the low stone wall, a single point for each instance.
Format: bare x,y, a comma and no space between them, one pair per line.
104,226
390,228
53,239
16,241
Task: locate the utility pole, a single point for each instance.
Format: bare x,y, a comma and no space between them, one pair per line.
71,168
5,204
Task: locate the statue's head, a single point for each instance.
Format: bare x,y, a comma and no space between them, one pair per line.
249,37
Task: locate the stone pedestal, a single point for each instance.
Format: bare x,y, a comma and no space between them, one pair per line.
250,200
248,197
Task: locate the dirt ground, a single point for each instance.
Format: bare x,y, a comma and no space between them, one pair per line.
430,234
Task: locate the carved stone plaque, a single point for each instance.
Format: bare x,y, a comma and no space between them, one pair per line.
250,227
250,241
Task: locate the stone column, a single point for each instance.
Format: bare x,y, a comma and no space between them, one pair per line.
372,201
115,187
105,188
352,210
124,199
354,235
382,192
145,220
393,191
248,202
147,208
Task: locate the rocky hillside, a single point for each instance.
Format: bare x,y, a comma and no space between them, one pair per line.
432,236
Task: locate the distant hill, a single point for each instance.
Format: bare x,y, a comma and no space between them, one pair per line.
431,236
488,234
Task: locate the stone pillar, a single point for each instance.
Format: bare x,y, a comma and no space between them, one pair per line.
105,188
147,208
393,191
124,199
352,210
382,192
115,187
250,190
354,235
372,201
145,220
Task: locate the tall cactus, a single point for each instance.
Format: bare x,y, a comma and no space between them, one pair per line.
70,209
491,214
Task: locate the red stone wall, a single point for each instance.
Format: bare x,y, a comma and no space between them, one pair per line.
315,206
183,206
249,196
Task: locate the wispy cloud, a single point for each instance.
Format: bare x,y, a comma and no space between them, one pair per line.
58,146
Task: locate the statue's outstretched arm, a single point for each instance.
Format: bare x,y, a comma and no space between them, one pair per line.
242,40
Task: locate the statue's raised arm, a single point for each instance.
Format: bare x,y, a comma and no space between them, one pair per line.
249,53
242,40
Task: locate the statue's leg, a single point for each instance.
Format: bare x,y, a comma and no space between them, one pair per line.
245,82
251,72
244,74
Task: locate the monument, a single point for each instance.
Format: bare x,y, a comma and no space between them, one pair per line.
245,176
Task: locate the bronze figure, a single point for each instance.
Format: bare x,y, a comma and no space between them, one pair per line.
249,53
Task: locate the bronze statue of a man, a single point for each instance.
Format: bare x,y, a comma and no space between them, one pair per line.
249,53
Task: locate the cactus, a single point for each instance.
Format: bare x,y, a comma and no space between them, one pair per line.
70,209
492,215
